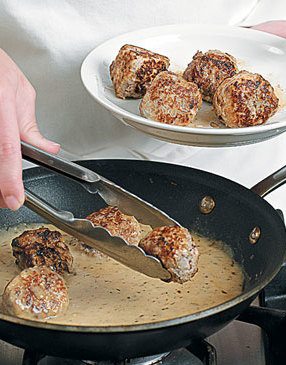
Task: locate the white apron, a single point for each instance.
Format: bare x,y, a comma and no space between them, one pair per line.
49,39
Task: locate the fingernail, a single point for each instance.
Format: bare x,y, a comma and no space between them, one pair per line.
55,144
12,203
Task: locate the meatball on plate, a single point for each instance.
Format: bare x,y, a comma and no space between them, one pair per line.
133,70
171,99
246,99
122,75
209,69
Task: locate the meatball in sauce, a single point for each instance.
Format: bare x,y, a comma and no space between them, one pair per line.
117,223
175,247
36,293
42,247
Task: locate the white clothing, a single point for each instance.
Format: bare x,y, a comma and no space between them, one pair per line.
49,39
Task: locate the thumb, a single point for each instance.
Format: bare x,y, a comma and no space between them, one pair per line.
31,134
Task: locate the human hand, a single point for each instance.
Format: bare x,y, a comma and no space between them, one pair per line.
274,27
17,122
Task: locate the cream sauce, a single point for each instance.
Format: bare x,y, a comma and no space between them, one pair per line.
280,93
105,293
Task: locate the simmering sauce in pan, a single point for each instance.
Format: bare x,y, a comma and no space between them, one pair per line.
105,293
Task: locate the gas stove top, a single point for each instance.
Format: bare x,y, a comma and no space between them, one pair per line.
237,344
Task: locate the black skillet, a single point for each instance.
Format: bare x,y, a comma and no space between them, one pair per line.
239,218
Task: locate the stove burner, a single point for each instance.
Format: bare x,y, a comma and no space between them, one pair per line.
155,359
201,353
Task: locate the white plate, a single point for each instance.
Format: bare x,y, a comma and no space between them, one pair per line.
256,52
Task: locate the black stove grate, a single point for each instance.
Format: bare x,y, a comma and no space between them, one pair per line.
273,299
274,294
198,353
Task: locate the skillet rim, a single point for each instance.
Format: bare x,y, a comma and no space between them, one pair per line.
160,324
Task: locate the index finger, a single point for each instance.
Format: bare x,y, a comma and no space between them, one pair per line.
11,185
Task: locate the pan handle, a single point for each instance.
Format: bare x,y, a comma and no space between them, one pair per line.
270,183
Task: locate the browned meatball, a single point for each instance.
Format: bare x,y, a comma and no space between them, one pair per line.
42,247
117,223
175,247
172,100
209,69
244,100
36,293
133,70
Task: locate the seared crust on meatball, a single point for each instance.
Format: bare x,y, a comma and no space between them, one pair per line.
42,247
117,223
244,100
209,69
133,70
36,293
175,247
172,100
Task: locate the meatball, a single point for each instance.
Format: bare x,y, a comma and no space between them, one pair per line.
42,247
171,99
133,70
117,223
36,293
209,69
244,100
175,247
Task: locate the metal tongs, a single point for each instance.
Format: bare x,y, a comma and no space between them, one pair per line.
83,229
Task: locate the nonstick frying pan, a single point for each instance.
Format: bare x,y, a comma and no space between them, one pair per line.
240,217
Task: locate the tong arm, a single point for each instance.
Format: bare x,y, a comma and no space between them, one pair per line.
58,164
111,193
